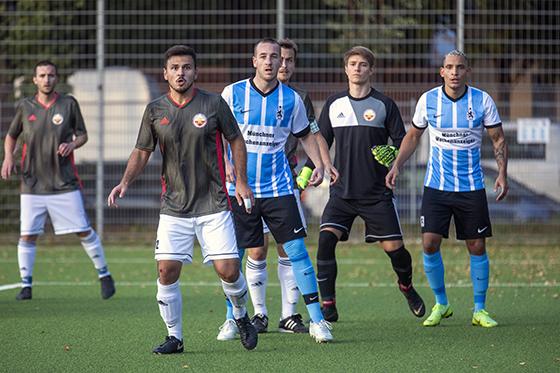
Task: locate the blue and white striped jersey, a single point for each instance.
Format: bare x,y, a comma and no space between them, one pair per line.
455,128
266,120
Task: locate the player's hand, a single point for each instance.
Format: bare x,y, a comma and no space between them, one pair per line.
8,167
118,191
244,196
501,188
303,178
317,177
230,170
66,148
332,172
391,178
385,154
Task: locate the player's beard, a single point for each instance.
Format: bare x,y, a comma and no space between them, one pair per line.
182,90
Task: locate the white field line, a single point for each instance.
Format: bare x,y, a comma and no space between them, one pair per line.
275,284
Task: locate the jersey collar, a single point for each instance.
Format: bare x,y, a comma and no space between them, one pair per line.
454,99
47,105
261,92
371,90
180,106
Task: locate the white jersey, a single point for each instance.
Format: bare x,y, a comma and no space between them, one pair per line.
266,120
455,128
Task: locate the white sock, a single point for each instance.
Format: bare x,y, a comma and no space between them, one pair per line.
170,302
288,286
237,295
257,279
26,259
94,249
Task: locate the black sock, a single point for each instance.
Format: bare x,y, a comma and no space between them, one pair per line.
326,265
402,265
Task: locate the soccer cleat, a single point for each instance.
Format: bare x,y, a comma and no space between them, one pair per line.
260,322
320,331
247,332
439,311
415,302
481,318
329,312
171,345
228,331
292,324
24,294
107,287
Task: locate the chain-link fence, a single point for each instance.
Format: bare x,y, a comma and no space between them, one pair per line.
513,47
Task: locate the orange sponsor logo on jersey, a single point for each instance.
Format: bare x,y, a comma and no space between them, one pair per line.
164,121
200,120
32,118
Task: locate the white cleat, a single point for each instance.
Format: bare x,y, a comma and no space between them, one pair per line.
320,331
228,331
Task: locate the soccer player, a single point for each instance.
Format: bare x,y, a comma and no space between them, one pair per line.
52,127
256,269
456,115
267,111
359,118
189,123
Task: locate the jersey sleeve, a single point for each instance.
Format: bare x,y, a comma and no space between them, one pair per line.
227,123
147,137
491,116
420,118
300,124
394,124
325,124
313,126
79,126
226,95
16,127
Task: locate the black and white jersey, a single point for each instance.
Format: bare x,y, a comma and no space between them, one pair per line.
358,124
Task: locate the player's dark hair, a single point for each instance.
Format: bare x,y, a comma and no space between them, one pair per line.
265,41
360,51
45,63
179,50
289,44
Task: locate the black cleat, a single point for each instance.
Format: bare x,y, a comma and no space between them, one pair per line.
329,312
107,287
415,302
24,294
247,332
171,345
260,322
293,324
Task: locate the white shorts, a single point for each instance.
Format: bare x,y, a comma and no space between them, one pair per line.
66,211
215,233
297,194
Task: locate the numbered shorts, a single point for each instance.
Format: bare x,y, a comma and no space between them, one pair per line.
66,211
214,232
381,218
297,195
468,209
281,215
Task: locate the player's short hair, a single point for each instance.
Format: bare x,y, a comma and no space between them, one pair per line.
289,44
265,41
455,52
360,51
179,50
45,63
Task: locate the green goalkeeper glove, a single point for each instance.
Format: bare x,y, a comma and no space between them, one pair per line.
385,154
303,178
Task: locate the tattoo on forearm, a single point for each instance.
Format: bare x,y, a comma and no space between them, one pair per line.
500,153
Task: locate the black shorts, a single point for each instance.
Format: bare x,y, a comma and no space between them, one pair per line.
469,211
281,215
381,218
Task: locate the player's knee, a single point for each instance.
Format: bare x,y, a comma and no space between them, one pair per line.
296,250
327,244
476,247
168,275
258,253
84,233
29,238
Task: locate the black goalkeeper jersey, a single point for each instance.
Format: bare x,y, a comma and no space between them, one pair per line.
190,140
44,128
358,125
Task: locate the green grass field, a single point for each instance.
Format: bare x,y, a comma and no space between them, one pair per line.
68,328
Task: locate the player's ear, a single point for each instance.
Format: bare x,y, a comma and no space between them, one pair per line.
165,74
254,62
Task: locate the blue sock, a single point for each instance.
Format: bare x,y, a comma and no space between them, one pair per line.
229,307
433,266
480,271
305,277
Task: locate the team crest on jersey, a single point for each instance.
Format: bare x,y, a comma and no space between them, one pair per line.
280,113
369,115
470,114
199,120
57,119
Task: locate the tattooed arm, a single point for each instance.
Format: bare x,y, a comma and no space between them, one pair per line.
501,155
